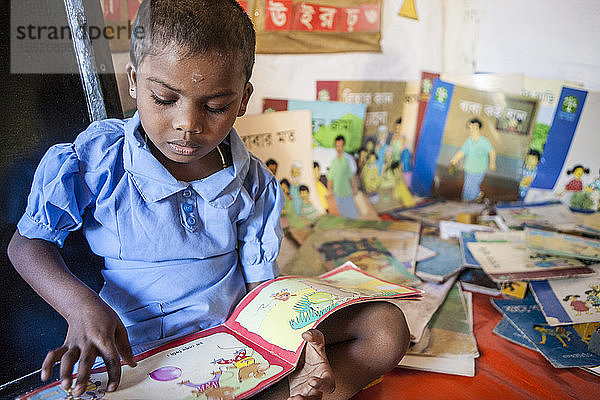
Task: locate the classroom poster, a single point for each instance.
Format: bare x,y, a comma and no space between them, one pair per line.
316,26
473,144
282,141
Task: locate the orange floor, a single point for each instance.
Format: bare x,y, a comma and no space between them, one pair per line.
502,371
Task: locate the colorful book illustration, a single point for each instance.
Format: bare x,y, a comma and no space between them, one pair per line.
560,244
449,336
571,166
259,344
474,237
367,253
334,121
473,144
547,91
563,346
549,215
282,141
569,301
400,239
510,261
446,263
385,159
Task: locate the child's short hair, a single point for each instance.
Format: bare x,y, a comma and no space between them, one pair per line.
303,188
196,26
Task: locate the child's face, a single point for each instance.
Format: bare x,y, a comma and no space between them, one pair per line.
187,105
304,195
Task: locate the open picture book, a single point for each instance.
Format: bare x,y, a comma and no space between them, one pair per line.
259,344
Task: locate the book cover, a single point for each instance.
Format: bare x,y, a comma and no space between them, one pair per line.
425,86
548,215
418,314
400,238
432,212
474,237
446,263
259,343
282,141
511,261
476,280
568,146
563,346
449,336
473,144
336,168
367,253
561,244
386,102
385,159
569,301
508,331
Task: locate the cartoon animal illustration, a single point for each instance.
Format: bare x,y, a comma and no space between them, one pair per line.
220,393
245,364
558,332
205,386
593,298
577,305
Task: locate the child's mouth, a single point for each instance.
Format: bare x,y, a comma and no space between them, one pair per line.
184,147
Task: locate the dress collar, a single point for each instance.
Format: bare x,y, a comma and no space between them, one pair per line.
155,183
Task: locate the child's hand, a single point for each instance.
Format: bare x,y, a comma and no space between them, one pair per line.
314,376
94,330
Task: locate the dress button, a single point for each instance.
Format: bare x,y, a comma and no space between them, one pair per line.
187,193
191,221
188,208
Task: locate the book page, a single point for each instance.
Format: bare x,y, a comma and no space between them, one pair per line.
214,363
275,314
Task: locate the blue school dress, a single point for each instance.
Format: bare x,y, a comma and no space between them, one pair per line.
177,254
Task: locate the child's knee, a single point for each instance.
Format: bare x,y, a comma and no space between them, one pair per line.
390,334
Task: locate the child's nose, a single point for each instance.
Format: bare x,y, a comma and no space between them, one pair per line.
188,119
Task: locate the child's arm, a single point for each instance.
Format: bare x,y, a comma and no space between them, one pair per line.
94,328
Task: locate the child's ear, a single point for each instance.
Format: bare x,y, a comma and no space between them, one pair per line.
131,79
247,93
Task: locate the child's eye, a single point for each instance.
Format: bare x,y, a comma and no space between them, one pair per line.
216,110
163,102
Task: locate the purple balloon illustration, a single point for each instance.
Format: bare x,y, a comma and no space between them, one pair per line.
164,374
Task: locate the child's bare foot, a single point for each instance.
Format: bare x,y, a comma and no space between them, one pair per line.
314,377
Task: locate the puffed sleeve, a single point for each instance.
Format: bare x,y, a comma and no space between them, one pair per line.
57,199
259,236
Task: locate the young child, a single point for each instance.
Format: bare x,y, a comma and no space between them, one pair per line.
186,219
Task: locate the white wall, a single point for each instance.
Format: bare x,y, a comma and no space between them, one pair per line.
557,39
